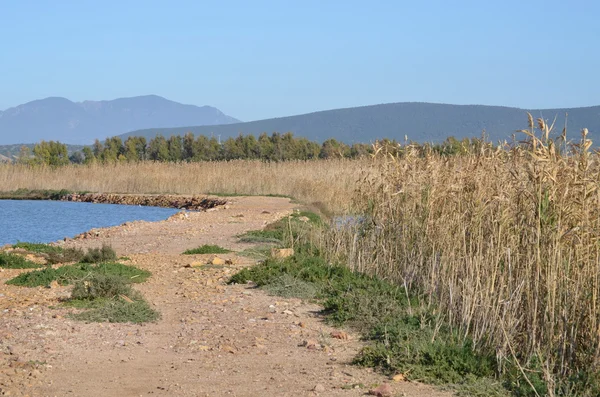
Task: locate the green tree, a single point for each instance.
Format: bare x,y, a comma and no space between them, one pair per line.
189,147
158,149
175,148
51,153
88,155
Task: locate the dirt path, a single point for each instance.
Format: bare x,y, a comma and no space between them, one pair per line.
212,340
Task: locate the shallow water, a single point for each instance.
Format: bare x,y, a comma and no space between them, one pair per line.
47,221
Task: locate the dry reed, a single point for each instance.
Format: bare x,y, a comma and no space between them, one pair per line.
331,182
505,243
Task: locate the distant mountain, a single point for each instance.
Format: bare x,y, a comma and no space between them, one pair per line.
82,122
421,122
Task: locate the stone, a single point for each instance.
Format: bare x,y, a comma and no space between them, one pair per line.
319,388
383,390
339,335
217,261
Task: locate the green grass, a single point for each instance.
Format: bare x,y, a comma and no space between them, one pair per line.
119,311
259,252
68,274
38,248
56,254
207,249
283,230
14,261
404,335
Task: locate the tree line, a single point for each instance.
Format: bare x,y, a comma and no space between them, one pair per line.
274,147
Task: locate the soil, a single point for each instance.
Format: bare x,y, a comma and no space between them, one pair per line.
213,339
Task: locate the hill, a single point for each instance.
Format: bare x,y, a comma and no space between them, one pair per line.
421,122
82,122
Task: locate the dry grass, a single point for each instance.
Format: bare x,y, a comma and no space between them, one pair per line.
328,181
505,243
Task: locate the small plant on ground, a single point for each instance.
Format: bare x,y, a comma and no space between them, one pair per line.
120,311
98,255
207,249
14,261
65,275
38,247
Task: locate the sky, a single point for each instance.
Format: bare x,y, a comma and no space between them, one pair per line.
261,59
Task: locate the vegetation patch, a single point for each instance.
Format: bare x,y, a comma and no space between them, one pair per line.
14,261
405,335
283,231
55,254
207,249
109,298
68,274
119,311
97,255
38,248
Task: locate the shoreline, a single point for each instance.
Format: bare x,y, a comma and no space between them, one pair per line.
186,202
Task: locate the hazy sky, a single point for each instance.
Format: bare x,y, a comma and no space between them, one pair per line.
260,59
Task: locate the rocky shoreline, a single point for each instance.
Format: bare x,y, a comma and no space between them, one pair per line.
194,203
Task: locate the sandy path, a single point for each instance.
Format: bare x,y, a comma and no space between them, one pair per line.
212,340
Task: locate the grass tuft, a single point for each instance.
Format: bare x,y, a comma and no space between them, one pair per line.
119,311
68,274
207,249
14,261
98,255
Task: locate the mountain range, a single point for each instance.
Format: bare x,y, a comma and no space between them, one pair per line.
419,122
81,122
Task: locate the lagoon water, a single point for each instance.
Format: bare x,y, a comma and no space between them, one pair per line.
47,221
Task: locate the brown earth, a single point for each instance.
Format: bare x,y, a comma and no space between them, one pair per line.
213,339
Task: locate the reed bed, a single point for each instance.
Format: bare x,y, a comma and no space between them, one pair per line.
504,243
330,182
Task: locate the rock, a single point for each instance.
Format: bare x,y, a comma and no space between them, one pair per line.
282,252
319,388
311,344
288,312
384,390
339,335
217,261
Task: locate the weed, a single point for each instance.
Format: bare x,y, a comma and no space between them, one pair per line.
207,249
119,311
38,247
101,286
14,261
98,255
68,274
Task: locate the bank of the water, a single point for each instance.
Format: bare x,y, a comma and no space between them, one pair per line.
47,221
188,202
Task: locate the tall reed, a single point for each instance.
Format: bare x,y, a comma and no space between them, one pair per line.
505,243
331,182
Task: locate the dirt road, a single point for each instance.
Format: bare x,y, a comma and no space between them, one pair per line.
213,339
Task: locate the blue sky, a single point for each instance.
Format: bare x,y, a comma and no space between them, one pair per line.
260,59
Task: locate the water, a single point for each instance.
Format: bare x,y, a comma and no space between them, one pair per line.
47,221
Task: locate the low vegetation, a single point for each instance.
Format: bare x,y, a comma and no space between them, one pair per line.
405,336
14,261
207,249
109,298
68,274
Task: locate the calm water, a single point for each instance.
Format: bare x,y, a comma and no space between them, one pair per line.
47,221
